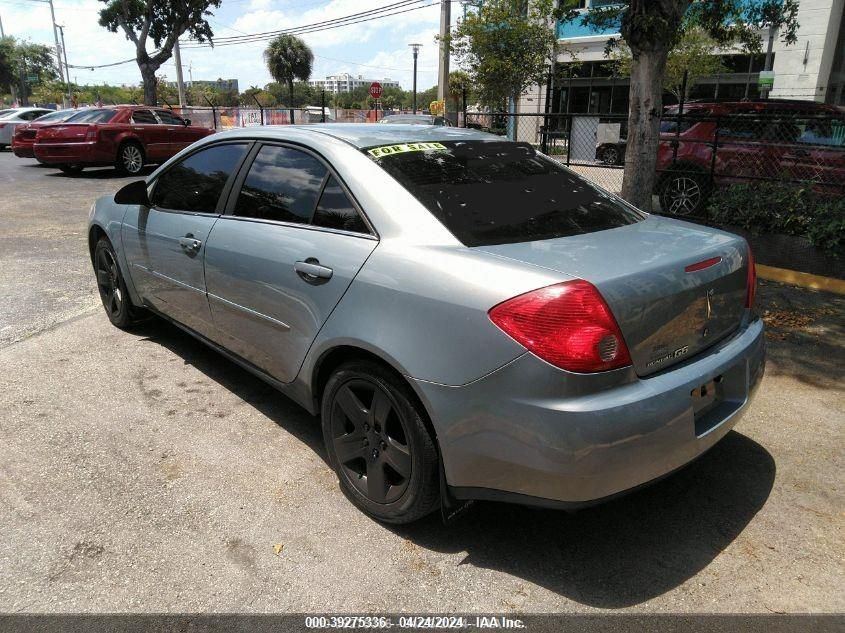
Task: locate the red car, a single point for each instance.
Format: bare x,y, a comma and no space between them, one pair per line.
24,137
770,140
127,137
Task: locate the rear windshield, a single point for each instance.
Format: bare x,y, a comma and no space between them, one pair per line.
60,115
497,192
93,116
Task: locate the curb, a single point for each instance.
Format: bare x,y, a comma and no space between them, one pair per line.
805,280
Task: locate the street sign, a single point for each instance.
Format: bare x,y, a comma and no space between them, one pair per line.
766,79
375,90
33,79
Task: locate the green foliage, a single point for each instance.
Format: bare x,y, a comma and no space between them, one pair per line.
505,46
19,55
788,209
303,94
264,97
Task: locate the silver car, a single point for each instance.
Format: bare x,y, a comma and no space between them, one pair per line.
14,117
470,319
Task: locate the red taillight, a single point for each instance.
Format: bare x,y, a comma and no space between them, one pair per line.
752,280
568,325
91,135
2,125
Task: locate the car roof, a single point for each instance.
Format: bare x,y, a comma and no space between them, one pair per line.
363,135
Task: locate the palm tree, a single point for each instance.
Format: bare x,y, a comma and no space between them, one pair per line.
289,58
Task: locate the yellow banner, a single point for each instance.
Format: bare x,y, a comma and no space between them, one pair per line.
401,148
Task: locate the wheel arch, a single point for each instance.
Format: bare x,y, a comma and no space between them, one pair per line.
331,358
95,232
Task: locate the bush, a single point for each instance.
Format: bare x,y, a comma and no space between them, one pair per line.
788,209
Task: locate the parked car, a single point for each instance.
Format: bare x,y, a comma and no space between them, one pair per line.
771,139
14,118
23,139
467,316
127,137
415,119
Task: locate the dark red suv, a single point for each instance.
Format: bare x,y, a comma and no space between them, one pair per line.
127,137
801,141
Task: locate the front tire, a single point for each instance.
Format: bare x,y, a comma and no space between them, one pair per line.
130,159
112,287
378,444
71,170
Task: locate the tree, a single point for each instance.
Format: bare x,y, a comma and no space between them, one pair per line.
696,53
266,98
651,28
21,56
288,59
163,22
505,47
460,88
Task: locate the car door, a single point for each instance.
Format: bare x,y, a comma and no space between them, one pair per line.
165,242
152,134
177,138
280,259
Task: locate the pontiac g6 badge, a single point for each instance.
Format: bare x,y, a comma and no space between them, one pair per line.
678,352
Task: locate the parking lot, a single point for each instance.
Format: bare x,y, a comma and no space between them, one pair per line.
143,472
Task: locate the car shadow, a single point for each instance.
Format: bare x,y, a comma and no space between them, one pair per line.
103,173
611,556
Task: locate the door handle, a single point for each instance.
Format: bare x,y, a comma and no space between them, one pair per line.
189,243
311,270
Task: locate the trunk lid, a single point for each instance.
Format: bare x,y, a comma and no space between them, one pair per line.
63,133
666,314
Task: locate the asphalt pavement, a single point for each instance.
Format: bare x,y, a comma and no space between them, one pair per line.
141,471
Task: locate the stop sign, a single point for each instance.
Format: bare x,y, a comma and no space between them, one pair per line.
375,90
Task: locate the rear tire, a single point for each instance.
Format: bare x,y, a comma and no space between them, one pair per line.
610,155
683,193
376,438
112,287
130,159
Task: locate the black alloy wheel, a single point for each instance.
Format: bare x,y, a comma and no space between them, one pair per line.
610,156
683,194
377,441
112,288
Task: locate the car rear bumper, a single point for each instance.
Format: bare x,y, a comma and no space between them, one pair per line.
72,153
23,150
534,434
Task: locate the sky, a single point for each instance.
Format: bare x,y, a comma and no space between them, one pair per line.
376,49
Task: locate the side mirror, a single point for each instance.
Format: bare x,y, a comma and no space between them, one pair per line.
187,122
134,193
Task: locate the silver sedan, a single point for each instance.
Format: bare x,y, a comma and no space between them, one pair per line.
13,117
470,319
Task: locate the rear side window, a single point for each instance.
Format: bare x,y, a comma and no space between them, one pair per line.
283,184
94,116
195,183
336,211
168,118
143,116
494,192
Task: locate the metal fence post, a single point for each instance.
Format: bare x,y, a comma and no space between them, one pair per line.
260,107
680,119
568,136
213,111
322,106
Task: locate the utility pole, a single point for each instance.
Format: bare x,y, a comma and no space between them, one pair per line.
443,66
64,52
56,36
2,32
180,85
416,49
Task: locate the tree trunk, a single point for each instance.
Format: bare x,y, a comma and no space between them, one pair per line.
148,74
645,108
290,88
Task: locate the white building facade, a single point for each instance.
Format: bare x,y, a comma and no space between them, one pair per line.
344,82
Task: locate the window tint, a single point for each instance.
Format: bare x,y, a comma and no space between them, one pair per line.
669,122
495,192
143,116
335,211
168,118
282,185
99,115
195,183
827,132
33,114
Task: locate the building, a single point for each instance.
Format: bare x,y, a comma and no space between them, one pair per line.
344,82
223,85
813,68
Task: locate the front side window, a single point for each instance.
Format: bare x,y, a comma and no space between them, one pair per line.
195,183
143,117
168,118
498,192
283,184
